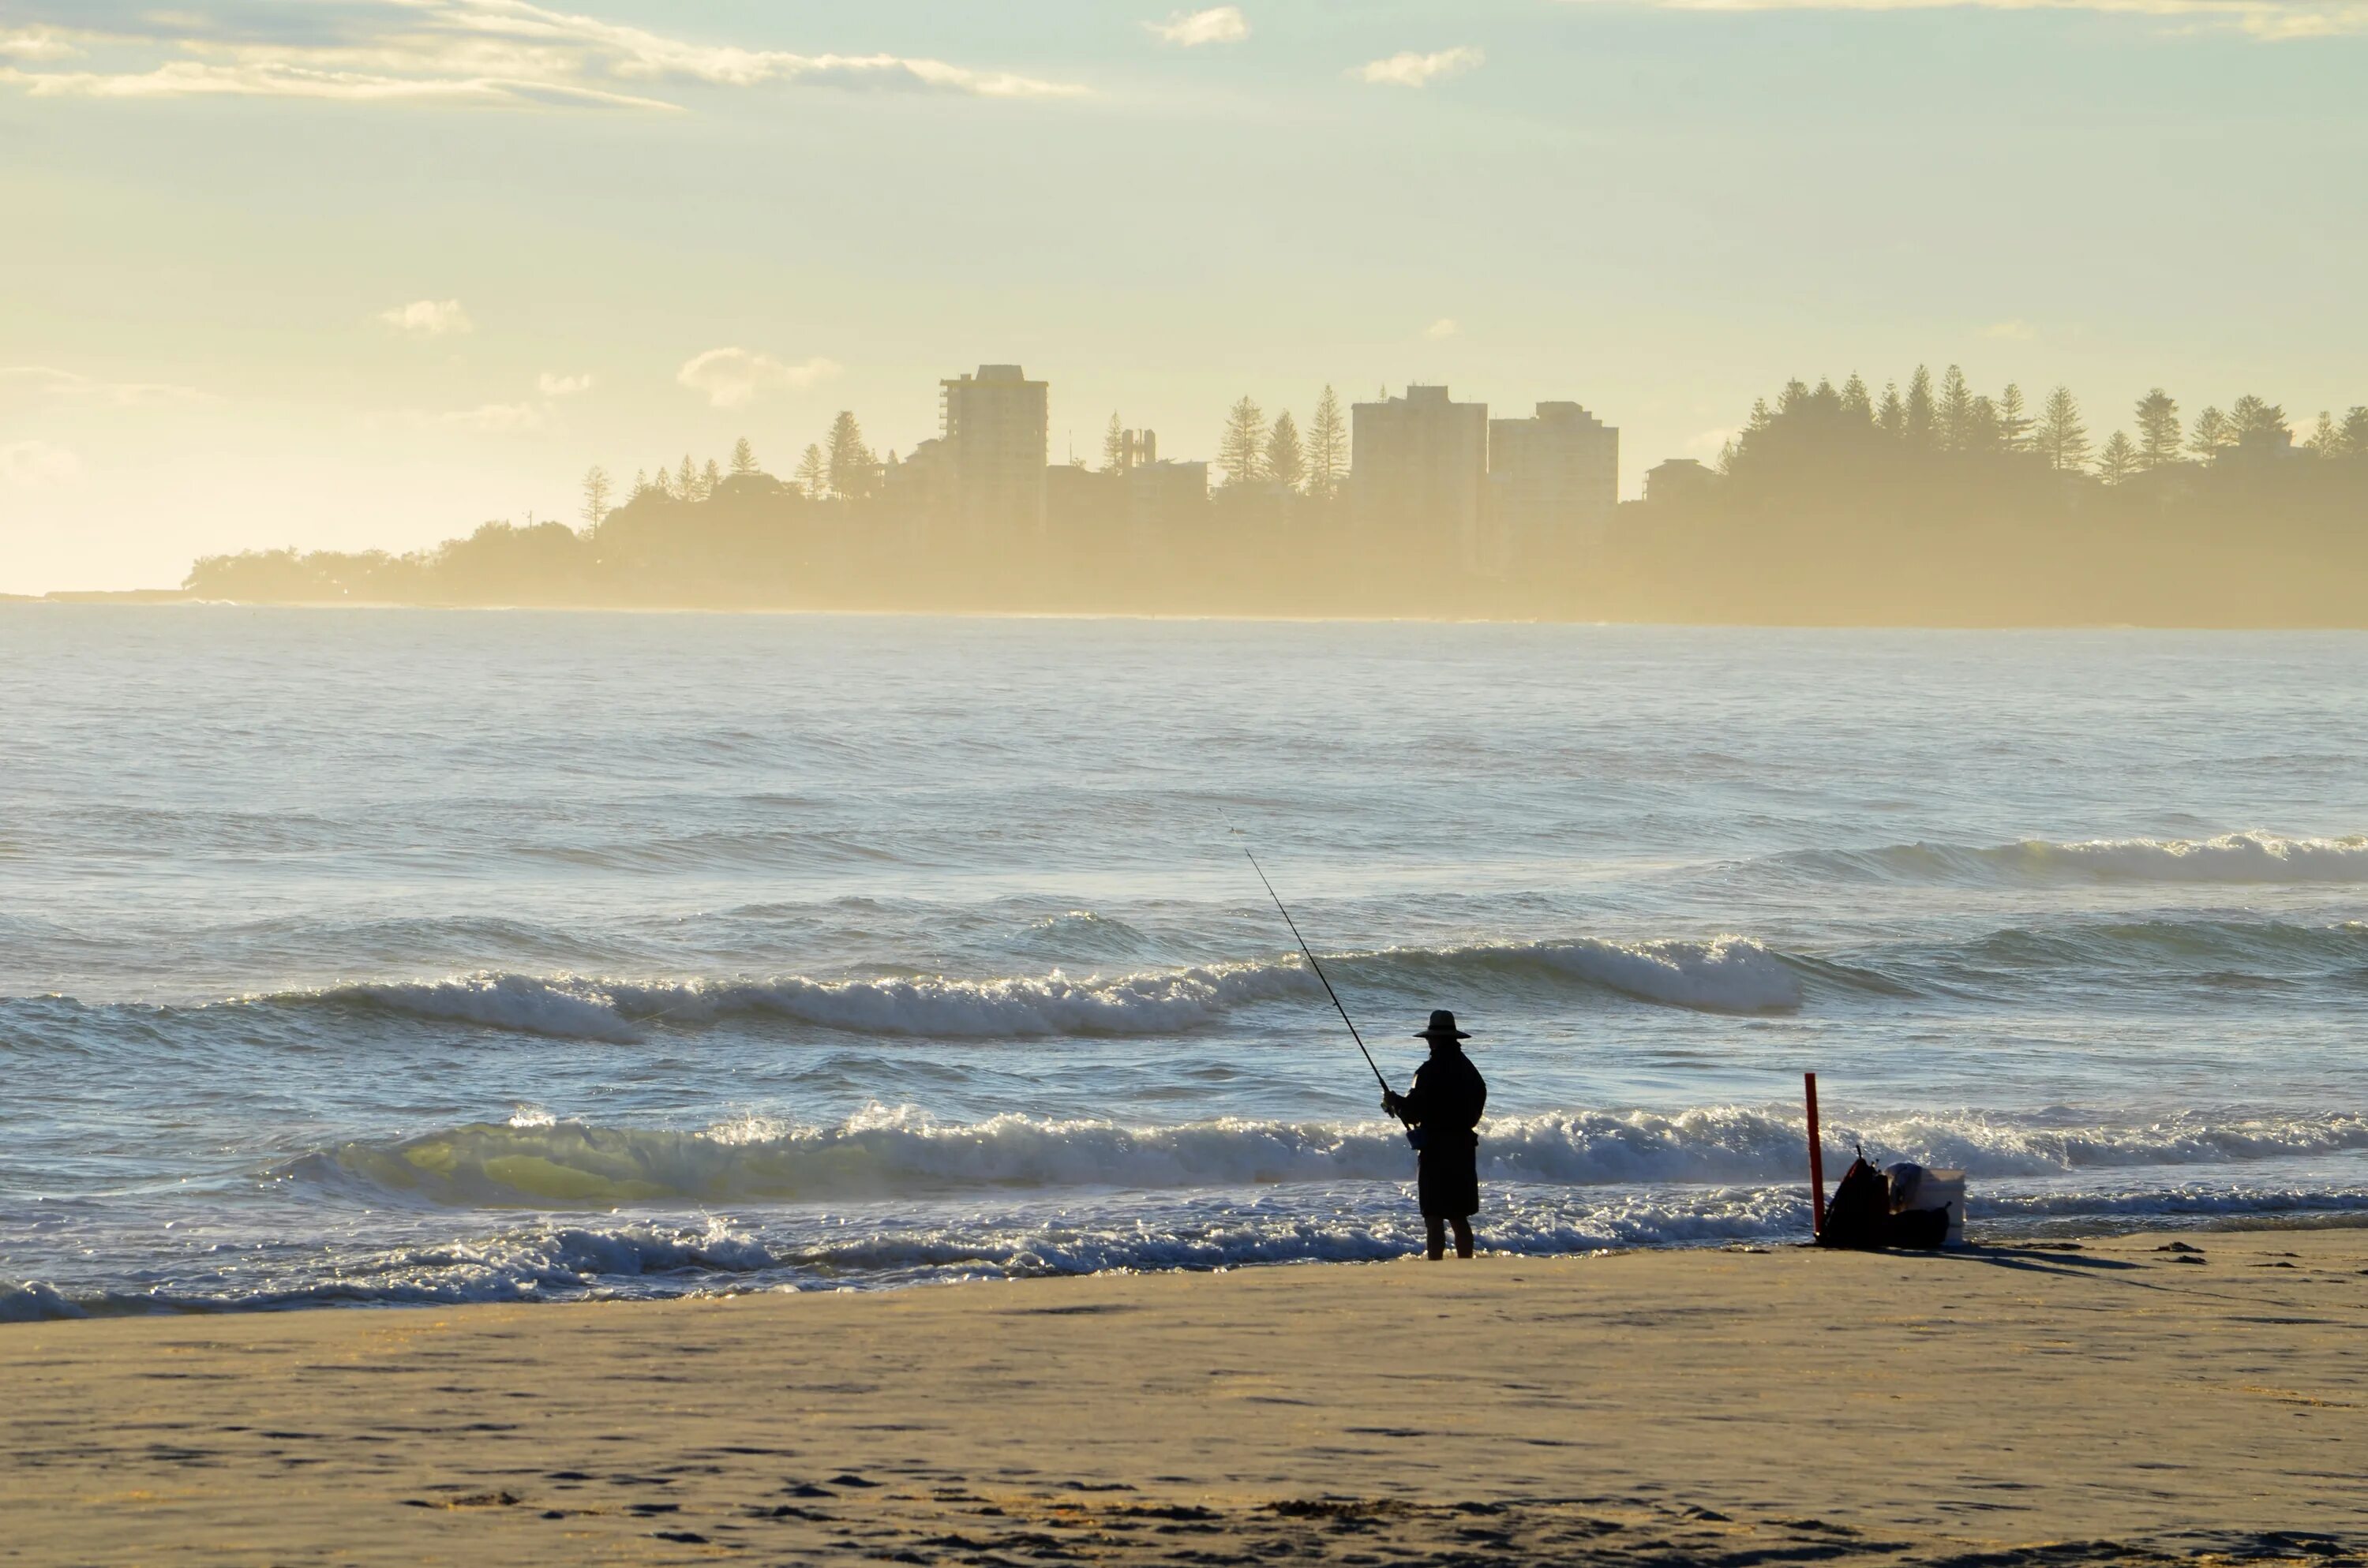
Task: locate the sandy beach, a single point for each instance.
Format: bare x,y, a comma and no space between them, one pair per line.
2104,1400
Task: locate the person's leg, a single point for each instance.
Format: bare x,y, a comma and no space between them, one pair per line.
1463,1237
1437,1229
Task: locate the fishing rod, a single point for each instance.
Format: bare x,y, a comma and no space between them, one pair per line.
1318,967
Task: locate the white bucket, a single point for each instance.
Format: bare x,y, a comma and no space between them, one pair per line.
1931,1190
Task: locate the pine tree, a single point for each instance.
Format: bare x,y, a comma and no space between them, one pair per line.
2063,440
2259,425
1327,447
1891,418
1855,401
1241,450
743,457
2014,421
1956,411
2213,435
662,481
2353,435
685,480
709,478
640,484
1114,444
1982,435
1286,463
2157,444
1738,449
596,495
813,473
851,462
1920,408
2118,460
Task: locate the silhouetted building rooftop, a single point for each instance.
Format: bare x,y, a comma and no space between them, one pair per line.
995,428
1418,469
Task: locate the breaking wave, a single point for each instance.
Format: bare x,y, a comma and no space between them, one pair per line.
546,1260
2252,858
1727,974
899,1154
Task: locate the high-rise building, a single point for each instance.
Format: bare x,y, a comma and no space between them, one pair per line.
1418,470
995,426
1553,483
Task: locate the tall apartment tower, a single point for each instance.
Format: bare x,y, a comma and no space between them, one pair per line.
1553,484
995,426
1419,476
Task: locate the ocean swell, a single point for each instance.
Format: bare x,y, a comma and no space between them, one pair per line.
2250,858
1724,974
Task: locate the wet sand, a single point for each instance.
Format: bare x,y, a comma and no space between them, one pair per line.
2111,1403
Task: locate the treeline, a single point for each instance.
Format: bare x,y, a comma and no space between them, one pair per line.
1254,452
1942,504
1931,503
1956,420
843,470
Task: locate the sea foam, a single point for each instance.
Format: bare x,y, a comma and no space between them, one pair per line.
884,1246
885,1154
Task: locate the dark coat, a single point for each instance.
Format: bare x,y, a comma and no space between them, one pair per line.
1446,1101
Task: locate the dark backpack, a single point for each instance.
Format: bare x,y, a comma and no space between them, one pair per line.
1860,1215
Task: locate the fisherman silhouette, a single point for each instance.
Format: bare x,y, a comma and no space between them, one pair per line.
1440,1111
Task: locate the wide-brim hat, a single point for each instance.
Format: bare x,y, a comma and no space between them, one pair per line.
1442,1027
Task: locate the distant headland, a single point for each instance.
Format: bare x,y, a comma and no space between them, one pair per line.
1932,505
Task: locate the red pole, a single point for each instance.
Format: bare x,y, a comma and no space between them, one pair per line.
1817,1155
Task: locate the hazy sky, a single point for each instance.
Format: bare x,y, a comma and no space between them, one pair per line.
368,272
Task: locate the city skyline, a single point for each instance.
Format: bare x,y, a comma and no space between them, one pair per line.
1409,471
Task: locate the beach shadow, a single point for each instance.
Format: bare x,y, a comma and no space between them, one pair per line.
2037,1260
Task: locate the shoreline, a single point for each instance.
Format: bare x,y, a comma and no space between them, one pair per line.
2154,1394
182,598
2042,1235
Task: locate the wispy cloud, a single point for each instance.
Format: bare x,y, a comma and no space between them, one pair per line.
2269,20
1444,327
37,43
45,383
522,417
1411,69
427,318
454,51
1220,23
34,465
731,377
2015,330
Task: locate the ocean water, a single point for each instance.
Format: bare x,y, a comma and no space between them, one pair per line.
354,957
